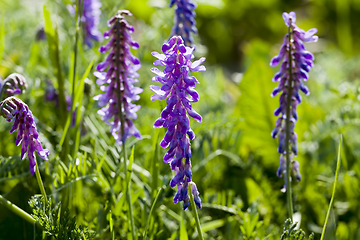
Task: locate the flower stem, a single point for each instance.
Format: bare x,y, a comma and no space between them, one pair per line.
77,22
287,129
18,211
40,183
128,192
120,78
196,216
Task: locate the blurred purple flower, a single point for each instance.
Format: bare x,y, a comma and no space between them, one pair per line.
178,88
51,95
40,34
90,20
14,84
117,82
27,134
184,20
301,61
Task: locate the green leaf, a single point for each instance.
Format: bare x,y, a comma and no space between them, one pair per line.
54,55
183,232
256,107
212,225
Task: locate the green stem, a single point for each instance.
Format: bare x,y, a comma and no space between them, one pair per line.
287,129
18,211
120,78
196,216
78,16
150,213
40,183
334,189
128,192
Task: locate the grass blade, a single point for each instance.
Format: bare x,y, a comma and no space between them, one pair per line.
150,213
334,188
54,55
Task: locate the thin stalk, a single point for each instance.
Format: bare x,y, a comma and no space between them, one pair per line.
287,129
18,211
196,216
40,183
150,213
77,23
334,189
120,73
77,20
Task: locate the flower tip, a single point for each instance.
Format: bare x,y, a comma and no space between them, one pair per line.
274,61
285,16
32,169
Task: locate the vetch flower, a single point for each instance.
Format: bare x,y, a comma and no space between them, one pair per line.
178,88
117,82
90,20
184,19
14,108
294,69
14,84
52,95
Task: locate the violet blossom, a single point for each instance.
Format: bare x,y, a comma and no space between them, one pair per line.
117,81
291,79
90,20
178,88
52,95
14,84
14,108
184,19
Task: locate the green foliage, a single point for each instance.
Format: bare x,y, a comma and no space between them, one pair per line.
55,222
251,223
234,158
291,233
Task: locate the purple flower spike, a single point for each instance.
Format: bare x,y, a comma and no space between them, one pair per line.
184,19
14,84
117,82
90,20
178,88
294,74
14,108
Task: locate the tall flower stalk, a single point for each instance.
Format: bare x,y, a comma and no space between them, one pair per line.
117,84
184,20
178,88
294,69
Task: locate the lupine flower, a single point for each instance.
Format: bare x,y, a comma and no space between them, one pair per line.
293,71
14,108
14,84
184,19
178,88
117,82
90,20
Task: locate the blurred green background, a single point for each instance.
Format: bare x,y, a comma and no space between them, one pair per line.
234,157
